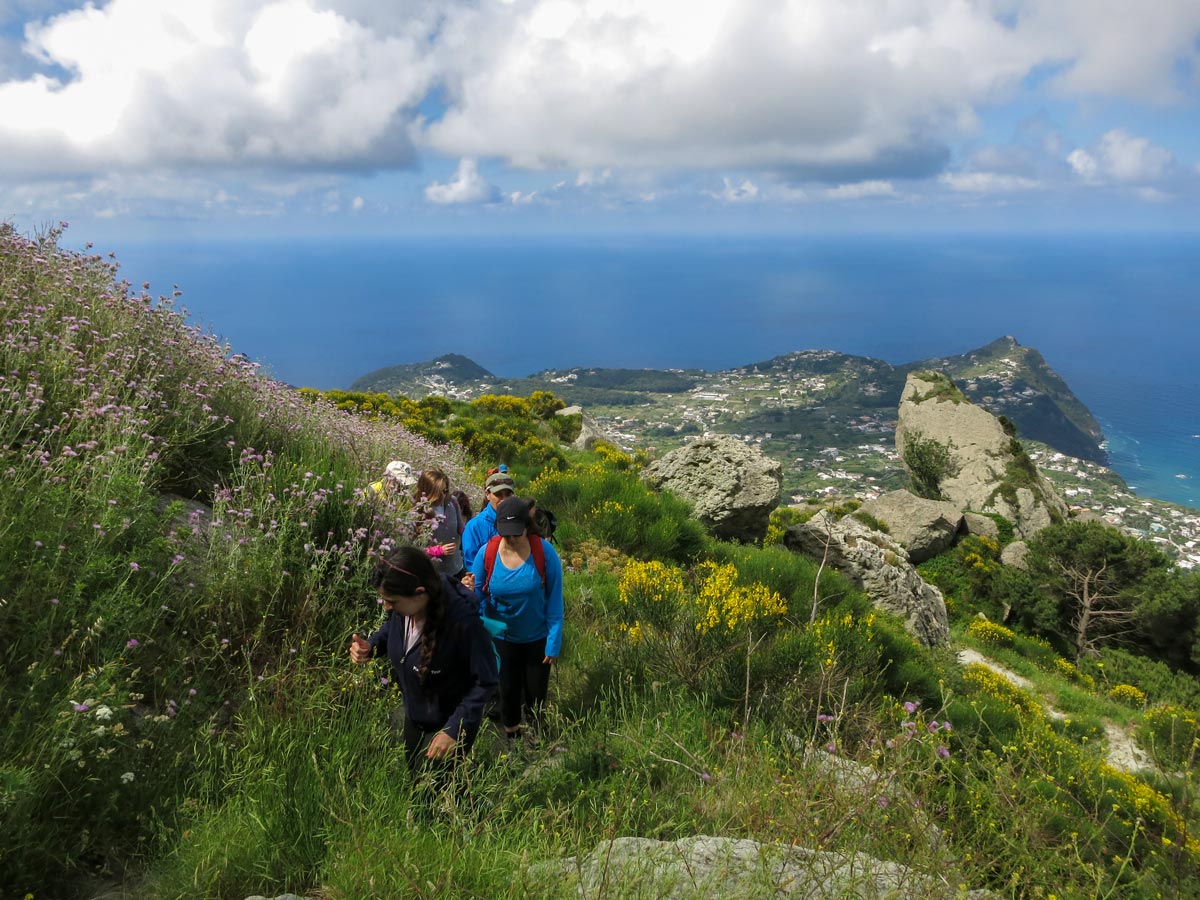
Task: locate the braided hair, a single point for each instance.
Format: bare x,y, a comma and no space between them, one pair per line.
401,574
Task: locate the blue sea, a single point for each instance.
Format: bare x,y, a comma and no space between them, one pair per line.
1118,318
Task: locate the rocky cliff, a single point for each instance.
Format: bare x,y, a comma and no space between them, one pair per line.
958,452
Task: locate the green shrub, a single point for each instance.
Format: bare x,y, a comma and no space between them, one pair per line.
617,508
782,518
928,463
1172,735
1128,695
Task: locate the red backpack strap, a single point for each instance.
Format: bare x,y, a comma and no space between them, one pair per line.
489,561
538,551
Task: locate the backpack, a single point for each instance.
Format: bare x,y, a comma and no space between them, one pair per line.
536,550
544,523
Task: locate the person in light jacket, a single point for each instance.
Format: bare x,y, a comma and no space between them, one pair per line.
525,594
482,528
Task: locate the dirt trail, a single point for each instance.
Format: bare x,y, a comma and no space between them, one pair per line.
1123,752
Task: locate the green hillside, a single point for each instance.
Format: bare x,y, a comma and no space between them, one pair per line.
184,548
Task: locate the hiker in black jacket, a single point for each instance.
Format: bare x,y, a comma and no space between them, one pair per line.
440,653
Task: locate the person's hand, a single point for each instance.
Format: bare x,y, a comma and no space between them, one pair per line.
360,650
449,547
468,581
548,660
441,746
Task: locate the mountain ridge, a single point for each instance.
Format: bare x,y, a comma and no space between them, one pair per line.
1003,376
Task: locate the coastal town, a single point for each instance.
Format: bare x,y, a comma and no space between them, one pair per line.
830,419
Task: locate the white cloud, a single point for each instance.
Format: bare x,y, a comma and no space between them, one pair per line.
521,198
208,82
861,189
1117,48
837,90
746,192
1153,195
1121,157
844,92
987,182
467,186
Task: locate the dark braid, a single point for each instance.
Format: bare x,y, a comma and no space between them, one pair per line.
401,574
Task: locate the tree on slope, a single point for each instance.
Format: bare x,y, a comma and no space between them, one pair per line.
1099,577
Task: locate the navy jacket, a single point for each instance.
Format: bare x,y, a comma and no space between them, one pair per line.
462,675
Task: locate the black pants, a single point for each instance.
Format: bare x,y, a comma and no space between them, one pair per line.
431,776
417,737
524,681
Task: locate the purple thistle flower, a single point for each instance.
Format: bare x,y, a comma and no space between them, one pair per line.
81,707
824,717
910,706
131,643
943,751
134,566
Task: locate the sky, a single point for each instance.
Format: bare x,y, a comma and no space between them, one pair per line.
265,118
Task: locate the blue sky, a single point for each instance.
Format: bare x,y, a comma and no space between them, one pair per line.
239,117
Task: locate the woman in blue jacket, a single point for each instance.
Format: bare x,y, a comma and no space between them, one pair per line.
523,589
440,654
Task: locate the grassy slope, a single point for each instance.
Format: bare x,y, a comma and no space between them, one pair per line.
182,717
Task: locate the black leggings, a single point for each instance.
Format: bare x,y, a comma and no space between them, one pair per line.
524,681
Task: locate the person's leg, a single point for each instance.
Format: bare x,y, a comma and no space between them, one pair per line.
536,681
511,676
415,742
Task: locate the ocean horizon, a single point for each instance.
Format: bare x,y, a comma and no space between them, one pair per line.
1116,317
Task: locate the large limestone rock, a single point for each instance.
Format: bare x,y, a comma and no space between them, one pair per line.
877,565
731,487
981,526
704,867
922,527
962,453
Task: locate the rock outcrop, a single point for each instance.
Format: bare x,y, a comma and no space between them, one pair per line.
879,566
732,487
1015,555
981,525
707,867
589,431
956,451
922,527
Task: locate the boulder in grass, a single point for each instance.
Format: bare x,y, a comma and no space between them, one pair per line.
922,527
732,487
879,567
705,867
981,526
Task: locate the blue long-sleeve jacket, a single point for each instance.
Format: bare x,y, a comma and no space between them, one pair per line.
479,530
518,598
462,674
